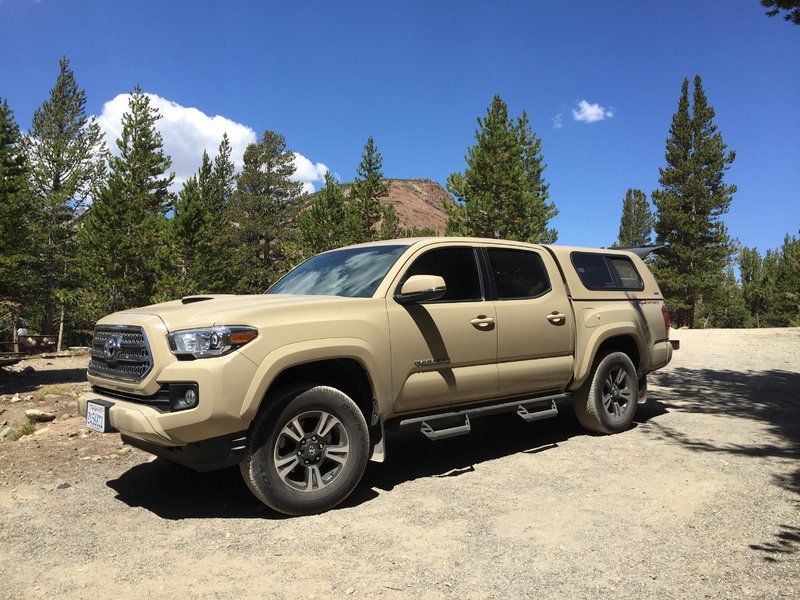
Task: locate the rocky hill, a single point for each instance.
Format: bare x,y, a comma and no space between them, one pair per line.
418,202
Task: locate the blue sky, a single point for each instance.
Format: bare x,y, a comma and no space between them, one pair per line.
415,75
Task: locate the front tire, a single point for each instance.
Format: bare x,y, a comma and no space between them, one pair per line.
308,456
606,403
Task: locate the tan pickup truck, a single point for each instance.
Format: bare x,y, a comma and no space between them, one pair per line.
299,386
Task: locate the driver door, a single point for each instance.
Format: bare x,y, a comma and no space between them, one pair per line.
444,352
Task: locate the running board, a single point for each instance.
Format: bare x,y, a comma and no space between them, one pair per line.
447,432
441,426
540,413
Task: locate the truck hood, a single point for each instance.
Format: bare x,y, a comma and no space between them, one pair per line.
206,311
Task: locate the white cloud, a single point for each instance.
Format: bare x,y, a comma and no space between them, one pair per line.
187,131
557,123
590,113
308,172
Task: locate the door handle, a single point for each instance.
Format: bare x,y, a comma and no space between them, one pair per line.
556,317
482,322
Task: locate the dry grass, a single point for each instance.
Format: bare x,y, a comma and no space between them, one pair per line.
25,429
59,389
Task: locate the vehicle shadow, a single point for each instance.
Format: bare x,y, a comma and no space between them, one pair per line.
174,492
413,456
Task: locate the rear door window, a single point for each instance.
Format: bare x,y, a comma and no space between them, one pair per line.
606,272
518,274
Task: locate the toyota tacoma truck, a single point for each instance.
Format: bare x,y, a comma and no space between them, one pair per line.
300,386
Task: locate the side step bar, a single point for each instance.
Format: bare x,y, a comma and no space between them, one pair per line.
451,424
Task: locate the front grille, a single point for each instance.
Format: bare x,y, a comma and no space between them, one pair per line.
120,352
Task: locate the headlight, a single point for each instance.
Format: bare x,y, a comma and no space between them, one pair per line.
211,341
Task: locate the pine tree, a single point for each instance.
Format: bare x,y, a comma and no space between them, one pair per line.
220,239
16,215
224,176
390,224
791,8
206,182
327,224
537,210
67,159
636,223
263,211
724,306
692,198
754,285
368,188
188,230
123,245
502,193
785,295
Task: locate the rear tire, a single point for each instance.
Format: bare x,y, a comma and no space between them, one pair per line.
606,403
308,456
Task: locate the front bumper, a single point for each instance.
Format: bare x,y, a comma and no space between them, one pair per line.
222,382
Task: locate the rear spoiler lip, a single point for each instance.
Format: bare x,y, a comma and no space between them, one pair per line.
642,251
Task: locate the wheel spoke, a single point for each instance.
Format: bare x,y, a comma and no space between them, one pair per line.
615,408
286,465
609,381
325,424
626,393
294,430
338,453
620,379
607,400
314,478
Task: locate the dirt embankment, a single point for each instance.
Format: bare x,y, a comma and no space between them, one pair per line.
701,499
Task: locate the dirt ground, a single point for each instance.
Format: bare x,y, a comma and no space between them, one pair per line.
701,499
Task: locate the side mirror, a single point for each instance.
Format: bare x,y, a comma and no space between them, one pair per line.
420,288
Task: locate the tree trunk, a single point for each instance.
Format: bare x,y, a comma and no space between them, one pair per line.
60,330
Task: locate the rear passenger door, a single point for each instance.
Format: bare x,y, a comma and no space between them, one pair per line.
535,325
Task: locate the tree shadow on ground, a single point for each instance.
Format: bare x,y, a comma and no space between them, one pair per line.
786,541
769,397
23,382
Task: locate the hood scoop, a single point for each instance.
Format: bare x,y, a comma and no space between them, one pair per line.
193,299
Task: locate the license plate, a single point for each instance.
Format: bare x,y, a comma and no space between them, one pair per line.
97,416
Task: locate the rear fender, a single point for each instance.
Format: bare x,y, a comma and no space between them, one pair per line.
599,335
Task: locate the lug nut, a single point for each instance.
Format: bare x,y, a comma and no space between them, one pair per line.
321,446
314,438
299,453
306,462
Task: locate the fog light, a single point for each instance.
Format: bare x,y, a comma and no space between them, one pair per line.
183,396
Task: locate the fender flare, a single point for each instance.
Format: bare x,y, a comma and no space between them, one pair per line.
308,351
600,335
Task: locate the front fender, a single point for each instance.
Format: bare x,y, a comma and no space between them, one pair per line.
308,351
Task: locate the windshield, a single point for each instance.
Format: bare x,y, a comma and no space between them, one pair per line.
352,272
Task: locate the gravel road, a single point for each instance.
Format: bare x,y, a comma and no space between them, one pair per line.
701,499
